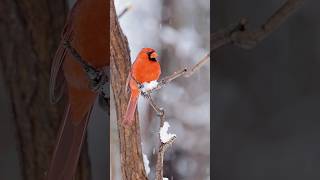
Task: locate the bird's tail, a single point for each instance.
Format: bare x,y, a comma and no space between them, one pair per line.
68,147
131,108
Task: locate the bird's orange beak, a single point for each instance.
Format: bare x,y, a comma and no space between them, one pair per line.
154,55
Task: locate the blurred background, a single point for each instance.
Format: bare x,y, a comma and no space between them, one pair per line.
266,100
180,32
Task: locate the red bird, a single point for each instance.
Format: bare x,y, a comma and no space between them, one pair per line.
86,31
145,69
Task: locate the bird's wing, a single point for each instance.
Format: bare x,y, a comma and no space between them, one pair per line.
68,147
57,80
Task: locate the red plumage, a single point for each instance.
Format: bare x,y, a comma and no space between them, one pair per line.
86,30
145,69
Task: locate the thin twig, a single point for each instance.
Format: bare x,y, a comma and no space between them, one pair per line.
159,111
187,72
125,10
239,35
198,65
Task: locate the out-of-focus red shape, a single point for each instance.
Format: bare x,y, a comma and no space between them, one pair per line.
86,29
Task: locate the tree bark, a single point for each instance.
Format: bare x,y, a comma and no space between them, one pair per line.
132,167
29,35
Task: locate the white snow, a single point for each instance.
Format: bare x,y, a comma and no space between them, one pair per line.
147,86
146,163
164,135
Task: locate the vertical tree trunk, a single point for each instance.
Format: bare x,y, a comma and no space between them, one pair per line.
29,34
132,167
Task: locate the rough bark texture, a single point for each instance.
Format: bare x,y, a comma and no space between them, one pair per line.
29,34
132,167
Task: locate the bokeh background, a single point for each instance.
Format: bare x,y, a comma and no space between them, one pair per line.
180,32
266,100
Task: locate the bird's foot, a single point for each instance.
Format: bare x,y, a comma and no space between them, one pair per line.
160,112
104,102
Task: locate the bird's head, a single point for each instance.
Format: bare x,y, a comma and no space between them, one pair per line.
150,54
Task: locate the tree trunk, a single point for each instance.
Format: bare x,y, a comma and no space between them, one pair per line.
29,35
132,167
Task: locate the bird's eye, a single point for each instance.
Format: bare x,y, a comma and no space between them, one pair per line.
152,56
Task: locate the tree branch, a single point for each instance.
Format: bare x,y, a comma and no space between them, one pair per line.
160,156
187,72
163,146
239,35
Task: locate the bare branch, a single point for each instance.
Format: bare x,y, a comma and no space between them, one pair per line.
239,35
187,72
125,10
159,111
198,65
163,146
162,149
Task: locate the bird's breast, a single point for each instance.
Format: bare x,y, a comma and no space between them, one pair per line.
146,72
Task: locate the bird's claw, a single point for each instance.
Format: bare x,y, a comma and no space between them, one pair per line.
103,102
140,86
161,112
144,94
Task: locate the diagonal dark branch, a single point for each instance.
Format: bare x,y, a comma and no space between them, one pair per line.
239,35
98,77
90,70
159,111
125,10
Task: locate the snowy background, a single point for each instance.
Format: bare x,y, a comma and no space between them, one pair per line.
179,30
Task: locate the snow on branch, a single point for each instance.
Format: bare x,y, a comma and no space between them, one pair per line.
164,135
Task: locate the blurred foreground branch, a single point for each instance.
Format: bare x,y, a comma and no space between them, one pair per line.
239,34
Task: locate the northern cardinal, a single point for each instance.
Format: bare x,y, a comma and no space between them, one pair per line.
144,71
86,30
